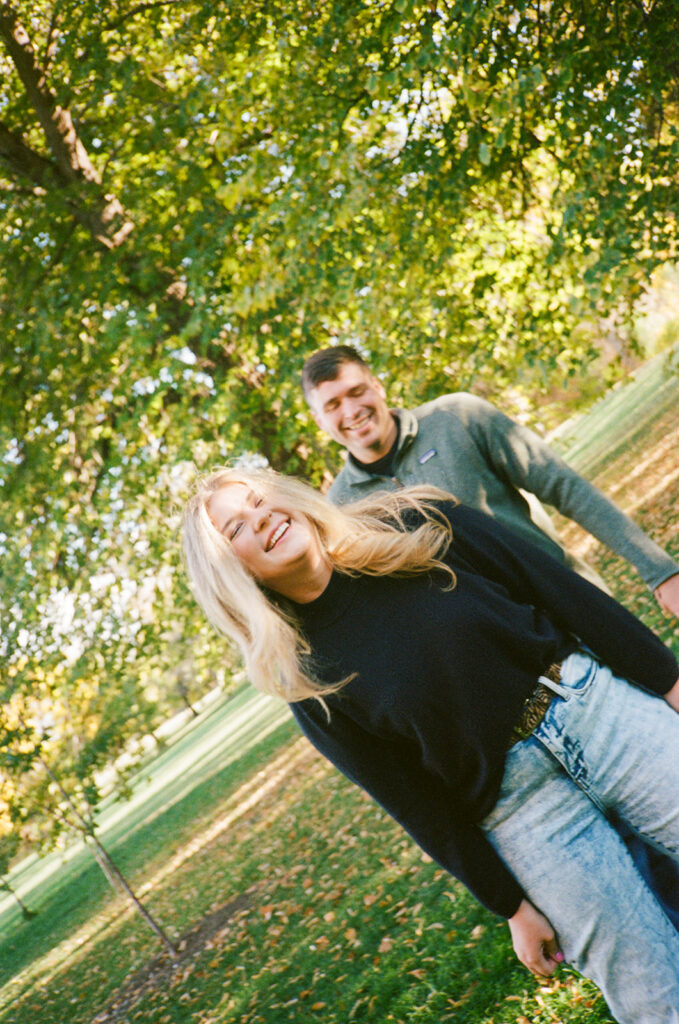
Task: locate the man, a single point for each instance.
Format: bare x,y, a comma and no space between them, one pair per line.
465,445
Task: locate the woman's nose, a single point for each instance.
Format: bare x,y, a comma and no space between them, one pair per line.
261,516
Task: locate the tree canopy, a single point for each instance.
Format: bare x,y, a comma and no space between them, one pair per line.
195,196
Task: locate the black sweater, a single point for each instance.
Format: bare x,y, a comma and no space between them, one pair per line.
442,676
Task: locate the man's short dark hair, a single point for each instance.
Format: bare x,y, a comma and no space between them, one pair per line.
325,365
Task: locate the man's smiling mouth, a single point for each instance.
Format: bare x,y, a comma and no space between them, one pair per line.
277,534
359,424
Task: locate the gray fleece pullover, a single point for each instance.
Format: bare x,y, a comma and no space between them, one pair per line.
466,446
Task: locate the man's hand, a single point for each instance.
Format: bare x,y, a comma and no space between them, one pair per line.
667,595
534,940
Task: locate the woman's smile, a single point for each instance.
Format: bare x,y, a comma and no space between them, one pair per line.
277,534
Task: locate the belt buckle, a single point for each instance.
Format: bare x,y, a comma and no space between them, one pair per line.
535,707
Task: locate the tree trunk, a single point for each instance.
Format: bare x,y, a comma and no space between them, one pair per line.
102,214
25,912
113,875
118,881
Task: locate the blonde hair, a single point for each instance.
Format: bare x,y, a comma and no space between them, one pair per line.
368,537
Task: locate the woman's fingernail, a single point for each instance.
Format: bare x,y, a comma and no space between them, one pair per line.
559,957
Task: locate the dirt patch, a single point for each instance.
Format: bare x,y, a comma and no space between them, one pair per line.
162,970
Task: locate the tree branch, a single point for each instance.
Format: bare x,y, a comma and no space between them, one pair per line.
62,139
104,217
23,161
51,41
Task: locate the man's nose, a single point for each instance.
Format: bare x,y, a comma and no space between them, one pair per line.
351,407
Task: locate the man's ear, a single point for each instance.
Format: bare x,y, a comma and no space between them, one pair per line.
312,407
379,386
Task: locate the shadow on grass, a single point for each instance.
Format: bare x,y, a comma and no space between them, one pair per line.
160,970
66,906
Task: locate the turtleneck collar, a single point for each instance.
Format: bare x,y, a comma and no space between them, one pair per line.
329,605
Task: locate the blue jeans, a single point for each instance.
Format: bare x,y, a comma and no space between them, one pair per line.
603,747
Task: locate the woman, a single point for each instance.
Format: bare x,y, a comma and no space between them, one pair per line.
461,677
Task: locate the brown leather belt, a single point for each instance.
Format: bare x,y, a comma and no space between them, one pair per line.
535,707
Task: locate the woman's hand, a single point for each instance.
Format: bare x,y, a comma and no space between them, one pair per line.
672,696
667,595
534,940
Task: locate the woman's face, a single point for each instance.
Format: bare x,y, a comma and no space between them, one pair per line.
276,545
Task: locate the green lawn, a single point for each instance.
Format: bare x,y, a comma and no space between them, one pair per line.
197,751
291,895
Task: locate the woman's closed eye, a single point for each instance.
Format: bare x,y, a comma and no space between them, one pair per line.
238,526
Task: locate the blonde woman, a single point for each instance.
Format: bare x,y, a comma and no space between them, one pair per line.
478,690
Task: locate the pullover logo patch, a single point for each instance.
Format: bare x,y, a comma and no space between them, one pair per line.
427,456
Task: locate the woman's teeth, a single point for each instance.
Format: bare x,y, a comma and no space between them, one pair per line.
277,534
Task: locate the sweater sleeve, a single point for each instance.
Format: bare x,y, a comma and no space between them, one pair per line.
390,770
531,576
521,457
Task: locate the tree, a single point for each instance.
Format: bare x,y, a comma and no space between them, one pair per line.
194,198
9,844
50,799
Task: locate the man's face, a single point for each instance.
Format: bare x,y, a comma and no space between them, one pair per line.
353,410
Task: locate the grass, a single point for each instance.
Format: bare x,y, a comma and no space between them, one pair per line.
628,445
318,905
290,894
